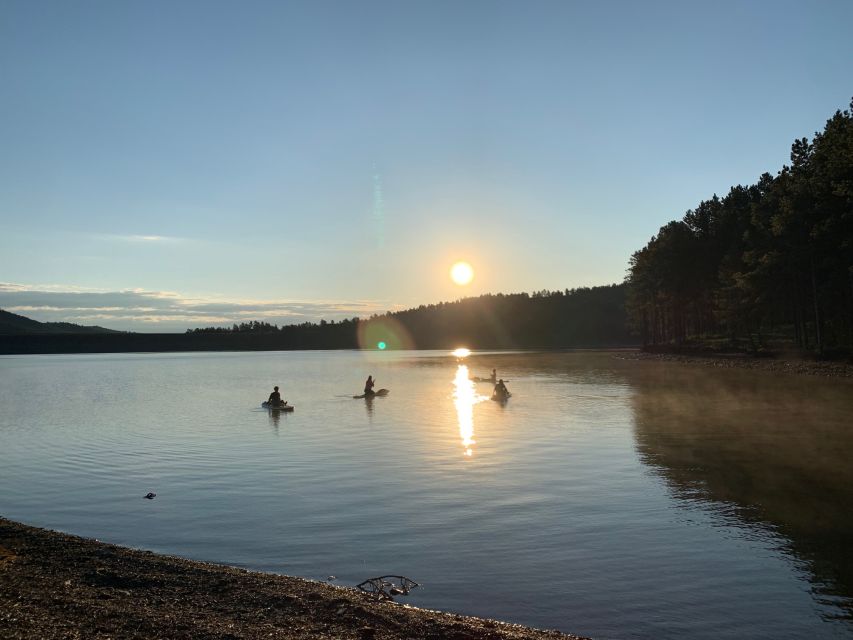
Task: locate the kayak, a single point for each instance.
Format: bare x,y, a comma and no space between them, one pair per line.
281,407
381,392
501,397
490,380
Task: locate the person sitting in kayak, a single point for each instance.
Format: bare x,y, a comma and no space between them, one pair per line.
494,375
501,390
275,398
368,386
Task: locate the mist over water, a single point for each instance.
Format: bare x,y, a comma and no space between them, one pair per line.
611,498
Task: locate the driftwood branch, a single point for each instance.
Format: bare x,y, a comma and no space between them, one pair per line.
386,587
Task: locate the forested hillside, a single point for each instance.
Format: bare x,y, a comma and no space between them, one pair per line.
772,257
554,319
13,324
575,317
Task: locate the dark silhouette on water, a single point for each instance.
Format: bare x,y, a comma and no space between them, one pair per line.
501,393
376,394
492,378
275,403
275,398
369,393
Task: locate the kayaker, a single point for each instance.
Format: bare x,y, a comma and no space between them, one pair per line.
500,389
275,398
494,375
368,386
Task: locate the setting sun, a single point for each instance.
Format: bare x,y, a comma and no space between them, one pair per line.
461,273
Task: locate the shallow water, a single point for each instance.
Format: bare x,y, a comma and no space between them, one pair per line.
611,498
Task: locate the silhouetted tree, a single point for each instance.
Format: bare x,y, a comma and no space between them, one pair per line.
775,254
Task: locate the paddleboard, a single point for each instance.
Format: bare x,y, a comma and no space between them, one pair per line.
381,392
286,407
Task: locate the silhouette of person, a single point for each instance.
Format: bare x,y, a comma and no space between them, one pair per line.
368,386
500,389
494,375
275,398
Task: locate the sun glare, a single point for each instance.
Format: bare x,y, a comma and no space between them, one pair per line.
461,273
462,352
465,396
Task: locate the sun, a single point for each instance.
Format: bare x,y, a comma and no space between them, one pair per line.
461,273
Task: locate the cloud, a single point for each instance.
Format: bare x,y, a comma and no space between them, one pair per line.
149,239
165,311
141,238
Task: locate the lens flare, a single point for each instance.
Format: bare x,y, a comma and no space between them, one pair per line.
461,273
384,333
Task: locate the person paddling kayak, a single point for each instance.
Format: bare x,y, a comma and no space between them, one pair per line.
500,390
368,386
275,398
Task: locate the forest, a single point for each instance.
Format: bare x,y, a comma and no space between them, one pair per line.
544,319
771,261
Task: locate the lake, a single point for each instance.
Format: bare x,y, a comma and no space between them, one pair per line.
608,497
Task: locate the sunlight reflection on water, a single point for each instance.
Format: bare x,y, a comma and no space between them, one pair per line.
465,396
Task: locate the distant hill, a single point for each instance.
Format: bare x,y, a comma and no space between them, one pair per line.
13,324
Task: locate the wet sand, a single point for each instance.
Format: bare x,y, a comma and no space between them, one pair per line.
54,585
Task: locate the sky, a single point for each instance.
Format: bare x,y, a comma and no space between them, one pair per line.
167,165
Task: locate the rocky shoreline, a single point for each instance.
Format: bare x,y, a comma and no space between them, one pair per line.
54,585
823,368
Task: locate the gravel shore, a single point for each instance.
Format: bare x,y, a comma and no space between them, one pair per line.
54,585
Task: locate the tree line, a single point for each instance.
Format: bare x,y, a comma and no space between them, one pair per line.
584,317
549,319
775,257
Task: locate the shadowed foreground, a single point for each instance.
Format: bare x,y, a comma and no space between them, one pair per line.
54,585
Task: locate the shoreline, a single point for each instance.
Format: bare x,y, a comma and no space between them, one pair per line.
57,585
821,368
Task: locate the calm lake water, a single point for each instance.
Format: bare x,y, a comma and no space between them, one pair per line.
611,498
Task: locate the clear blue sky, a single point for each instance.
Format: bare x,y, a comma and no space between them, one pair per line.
173,164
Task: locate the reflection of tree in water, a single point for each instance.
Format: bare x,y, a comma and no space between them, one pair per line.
777,449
